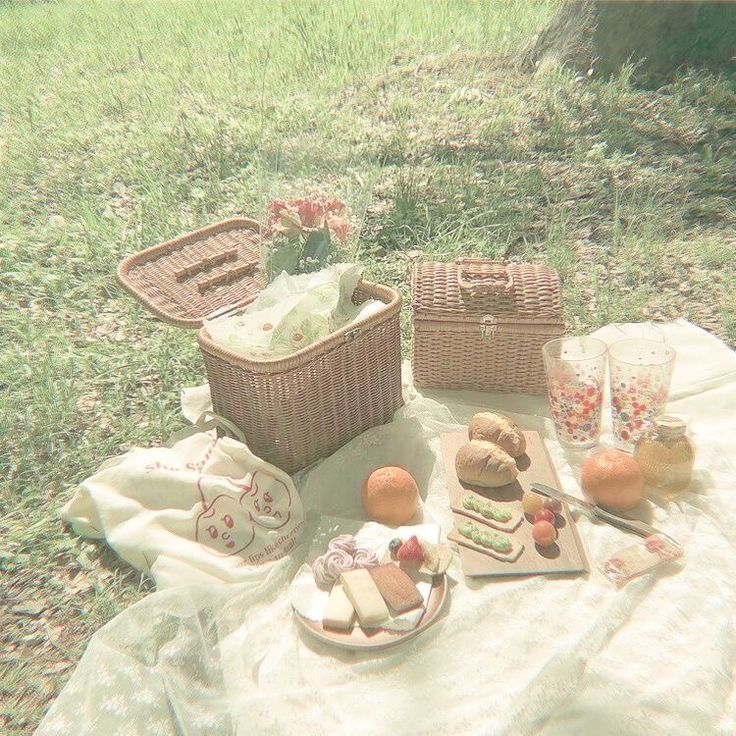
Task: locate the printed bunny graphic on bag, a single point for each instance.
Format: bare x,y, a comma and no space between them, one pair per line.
203,508
231,510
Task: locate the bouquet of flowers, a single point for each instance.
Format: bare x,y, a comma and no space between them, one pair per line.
300,235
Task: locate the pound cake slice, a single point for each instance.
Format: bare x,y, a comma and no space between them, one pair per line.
396,587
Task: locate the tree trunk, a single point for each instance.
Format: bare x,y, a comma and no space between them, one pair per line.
599,37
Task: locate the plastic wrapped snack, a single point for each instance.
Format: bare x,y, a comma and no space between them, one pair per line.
642,557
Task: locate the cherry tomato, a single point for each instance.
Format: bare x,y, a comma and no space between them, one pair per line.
543,533
553,504
532,502
545,515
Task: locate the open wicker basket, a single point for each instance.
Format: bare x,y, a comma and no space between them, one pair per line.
294,410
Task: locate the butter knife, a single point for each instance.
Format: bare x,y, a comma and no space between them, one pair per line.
596,512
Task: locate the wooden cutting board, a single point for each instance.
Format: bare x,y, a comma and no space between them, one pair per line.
565,557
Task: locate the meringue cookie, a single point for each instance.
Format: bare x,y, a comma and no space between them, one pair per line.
342,555
328,567
365,557
345,542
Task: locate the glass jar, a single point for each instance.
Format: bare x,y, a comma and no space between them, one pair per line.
666,455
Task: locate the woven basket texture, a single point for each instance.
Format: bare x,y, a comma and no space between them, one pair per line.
185,279
297,410
480,325
293,411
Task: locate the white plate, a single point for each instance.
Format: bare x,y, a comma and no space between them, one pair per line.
358,639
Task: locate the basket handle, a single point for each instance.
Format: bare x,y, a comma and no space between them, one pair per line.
206,421
484,277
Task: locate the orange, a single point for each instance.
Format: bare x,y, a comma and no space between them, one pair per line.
612,478
390,495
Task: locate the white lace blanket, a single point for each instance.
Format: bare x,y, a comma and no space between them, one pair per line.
534,656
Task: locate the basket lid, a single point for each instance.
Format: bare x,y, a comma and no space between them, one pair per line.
185,280
474,288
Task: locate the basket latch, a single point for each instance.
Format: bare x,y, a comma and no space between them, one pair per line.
488,327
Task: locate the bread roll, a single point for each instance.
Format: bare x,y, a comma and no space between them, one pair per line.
497,428
485,464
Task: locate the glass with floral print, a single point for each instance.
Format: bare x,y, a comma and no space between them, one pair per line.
640,371
576,368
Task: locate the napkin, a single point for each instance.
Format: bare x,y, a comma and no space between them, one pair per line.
293,312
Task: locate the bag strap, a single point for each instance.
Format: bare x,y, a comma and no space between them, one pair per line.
206,421
484,277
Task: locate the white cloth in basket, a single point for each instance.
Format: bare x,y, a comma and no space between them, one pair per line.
293,312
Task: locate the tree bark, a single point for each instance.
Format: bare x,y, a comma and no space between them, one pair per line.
657,37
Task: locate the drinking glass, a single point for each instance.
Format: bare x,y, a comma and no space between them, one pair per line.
576,368
641,371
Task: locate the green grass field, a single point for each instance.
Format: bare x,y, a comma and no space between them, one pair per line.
126,123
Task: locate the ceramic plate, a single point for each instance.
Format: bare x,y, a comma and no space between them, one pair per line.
379,639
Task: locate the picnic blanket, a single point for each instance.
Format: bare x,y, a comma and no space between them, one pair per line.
509,656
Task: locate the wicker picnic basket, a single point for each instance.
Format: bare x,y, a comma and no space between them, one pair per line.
294,410
481,324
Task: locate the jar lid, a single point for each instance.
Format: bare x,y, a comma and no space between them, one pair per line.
670,426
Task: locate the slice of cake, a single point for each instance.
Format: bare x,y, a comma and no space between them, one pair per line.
363,594
340,612
396,587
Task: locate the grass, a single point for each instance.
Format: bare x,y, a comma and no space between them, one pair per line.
123,124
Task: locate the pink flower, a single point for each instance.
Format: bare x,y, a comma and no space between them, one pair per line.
300,217
340,228
274,209
283,219
311,212
335,206
288,224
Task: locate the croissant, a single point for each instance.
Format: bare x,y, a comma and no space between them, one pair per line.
499,429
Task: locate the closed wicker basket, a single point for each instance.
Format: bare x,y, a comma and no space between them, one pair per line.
295,410
481,324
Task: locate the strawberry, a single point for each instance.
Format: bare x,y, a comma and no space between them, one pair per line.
410,551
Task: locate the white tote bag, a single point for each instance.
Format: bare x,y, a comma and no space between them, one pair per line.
203,508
